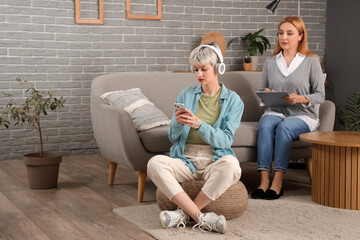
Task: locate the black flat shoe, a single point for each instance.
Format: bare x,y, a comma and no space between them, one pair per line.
258,194
272,195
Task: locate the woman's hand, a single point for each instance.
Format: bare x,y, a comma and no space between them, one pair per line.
294,98
268,90
186,117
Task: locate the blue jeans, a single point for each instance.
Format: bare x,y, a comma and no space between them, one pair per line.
275,136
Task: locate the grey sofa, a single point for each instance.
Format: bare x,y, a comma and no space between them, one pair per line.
119,141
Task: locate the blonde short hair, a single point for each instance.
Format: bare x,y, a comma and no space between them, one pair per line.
204,55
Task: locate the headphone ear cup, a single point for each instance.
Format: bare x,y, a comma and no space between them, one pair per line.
220,68
216,68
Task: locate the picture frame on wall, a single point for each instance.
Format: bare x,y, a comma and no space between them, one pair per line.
80,20
129,15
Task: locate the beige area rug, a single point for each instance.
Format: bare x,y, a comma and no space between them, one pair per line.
294,216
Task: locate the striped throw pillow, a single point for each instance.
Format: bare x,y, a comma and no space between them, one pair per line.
144,114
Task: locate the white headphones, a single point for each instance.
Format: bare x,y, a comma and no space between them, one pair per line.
219,67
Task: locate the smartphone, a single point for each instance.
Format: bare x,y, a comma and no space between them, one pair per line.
179,106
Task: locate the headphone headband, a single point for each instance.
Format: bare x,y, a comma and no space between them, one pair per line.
220,66
218,53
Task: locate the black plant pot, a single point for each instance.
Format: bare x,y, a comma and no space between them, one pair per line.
43,171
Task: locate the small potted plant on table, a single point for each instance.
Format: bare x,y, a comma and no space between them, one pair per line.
42,167
255,42
247,63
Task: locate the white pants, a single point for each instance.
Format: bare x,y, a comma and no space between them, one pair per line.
167,172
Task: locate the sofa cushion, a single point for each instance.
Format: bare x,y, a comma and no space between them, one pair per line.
155,140
246,135
300,144
143,112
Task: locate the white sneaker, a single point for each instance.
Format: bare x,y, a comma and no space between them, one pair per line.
211,222
176,218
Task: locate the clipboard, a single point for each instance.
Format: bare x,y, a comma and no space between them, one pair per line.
273,99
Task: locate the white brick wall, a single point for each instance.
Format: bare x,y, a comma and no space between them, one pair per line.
40,42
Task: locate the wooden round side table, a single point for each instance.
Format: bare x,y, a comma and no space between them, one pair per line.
336,168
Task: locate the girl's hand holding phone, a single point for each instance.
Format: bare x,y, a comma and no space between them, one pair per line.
185,116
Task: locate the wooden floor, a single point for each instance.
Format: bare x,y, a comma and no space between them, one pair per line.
80,208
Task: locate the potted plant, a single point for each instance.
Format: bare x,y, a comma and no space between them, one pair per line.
247,63
42,167
255,42
350,116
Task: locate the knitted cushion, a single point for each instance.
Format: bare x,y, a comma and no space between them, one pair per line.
142,111
232,203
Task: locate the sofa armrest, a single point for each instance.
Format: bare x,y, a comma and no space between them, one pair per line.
326,116
116,135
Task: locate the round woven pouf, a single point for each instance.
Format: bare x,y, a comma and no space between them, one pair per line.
232,203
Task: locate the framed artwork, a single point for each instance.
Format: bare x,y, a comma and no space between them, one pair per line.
129,15
79,20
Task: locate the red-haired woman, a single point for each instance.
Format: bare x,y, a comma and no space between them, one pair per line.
296,70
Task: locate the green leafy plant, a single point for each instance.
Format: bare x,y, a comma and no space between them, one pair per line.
247,59
30,111
254,41
350,116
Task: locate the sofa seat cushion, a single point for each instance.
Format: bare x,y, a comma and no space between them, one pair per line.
300,144
155,140
246,135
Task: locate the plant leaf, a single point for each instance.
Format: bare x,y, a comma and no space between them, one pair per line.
260,47
246,37
265,42
256,34
351,117
232,40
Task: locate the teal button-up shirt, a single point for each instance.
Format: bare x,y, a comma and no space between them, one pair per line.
220,136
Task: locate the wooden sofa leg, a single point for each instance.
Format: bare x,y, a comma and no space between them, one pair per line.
141,185
112,171
308,162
